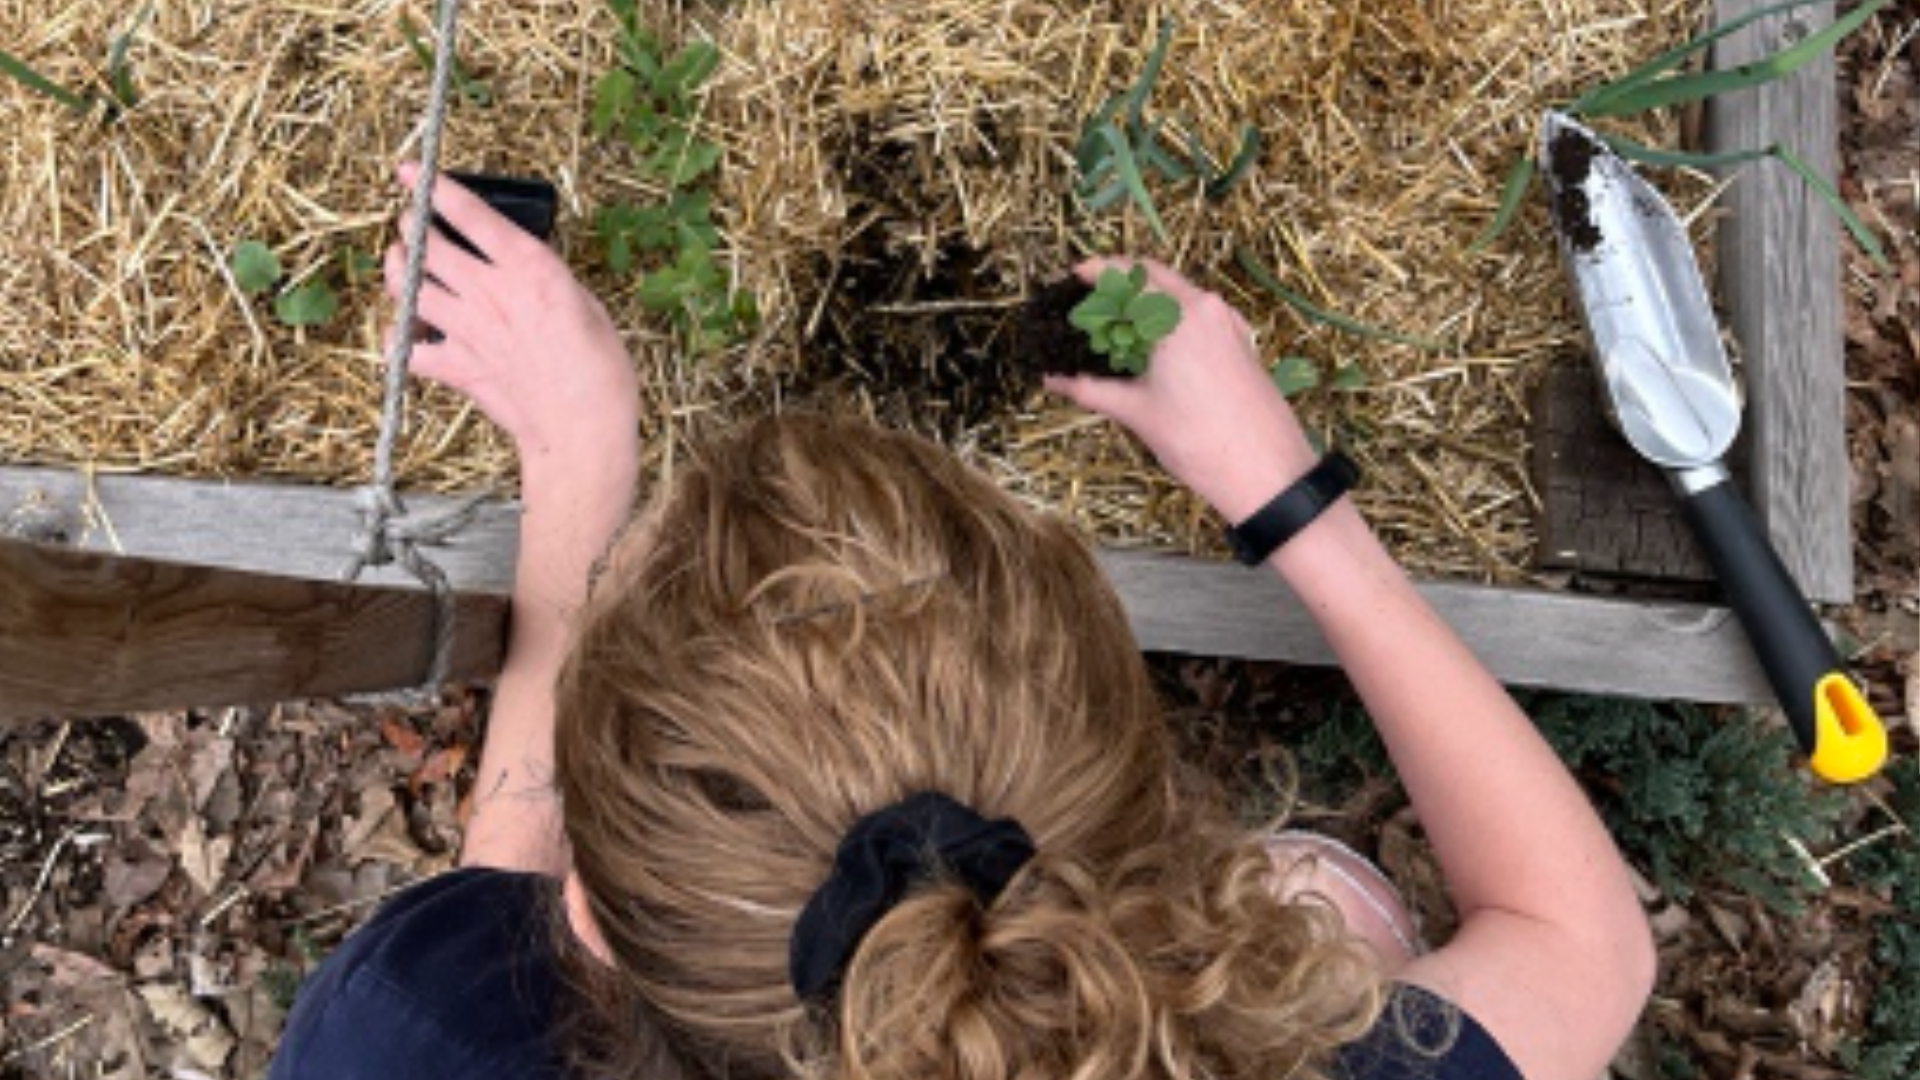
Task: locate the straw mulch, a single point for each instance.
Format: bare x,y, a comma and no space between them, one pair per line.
896,179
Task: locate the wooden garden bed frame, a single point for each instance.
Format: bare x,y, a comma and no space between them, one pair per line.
131,593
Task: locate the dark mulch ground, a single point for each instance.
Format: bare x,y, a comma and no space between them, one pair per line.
165,880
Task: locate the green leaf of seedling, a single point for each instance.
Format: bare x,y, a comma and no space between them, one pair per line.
1512,193
1088,321
1855,227
1648,155
663,290
1128,363
1152,155
687,70
1295,375
17,69
1655,93
1129,173
1315,313
1136,277
1653,155
1674,57
1154,315
613,97
357,266
1348,377
463,83
619,253
1135,99
1123,336
311,303
119,72
254,266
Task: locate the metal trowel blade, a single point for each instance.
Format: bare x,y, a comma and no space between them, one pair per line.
1667,382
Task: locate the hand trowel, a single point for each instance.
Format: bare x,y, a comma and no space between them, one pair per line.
1669,389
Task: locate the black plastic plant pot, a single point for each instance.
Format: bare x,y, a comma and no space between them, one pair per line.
528,202
1050,345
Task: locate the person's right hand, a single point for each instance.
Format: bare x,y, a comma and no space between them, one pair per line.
1206,406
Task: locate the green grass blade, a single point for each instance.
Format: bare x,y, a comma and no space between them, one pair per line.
1861,234
1677,55
1648,155
16,68
1152,154
1243,159
1681,89
1136,96
1315,313
1512,193
1129,172
1678,159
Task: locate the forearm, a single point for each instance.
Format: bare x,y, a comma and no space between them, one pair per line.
1511,828
567,519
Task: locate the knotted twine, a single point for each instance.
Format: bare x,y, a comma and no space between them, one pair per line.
388,533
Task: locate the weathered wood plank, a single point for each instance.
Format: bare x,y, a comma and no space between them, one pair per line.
82,633
1779,266
1605,510
1528,637
286,529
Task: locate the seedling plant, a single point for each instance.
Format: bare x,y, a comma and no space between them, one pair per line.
311,302
1119,145
118,92
650,102
1123,321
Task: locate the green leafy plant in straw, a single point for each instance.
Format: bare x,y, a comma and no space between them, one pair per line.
1123,321
1660,83
650,101
116,96
1120,147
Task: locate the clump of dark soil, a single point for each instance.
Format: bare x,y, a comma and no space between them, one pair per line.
1046,343
1571,159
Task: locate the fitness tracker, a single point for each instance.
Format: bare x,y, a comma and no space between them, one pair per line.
1293,509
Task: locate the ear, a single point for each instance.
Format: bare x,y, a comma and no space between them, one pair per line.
581,919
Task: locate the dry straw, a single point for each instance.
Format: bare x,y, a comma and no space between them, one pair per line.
895,180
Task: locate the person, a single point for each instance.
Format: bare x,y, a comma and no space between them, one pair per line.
845,765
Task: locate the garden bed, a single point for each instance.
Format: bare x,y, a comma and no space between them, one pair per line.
894,181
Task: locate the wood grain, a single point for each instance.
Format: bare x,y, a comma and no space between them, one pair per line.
1526,637
1779,268
82,633
1177,604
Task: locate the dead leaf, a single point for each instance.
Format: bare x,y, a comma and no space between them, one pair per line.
211,758
199,1035
203,859
398,735
71,970
130,881
439,766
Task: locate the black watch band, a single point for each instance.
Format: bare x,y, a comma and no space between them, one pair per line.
1293,509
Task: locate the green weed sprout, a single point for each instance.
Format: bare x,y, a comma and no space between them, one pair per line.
120,95
1119,146
650,101
1123,321
1658,83
256,271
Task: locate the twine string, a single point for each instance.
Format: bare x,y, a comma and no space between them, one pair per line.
388,533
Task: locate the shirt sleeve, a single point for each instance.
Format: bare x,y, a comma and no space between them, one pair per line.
1421,1036
454,977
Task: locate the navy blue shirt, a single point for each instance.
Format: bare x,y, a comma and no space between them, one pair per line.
455,978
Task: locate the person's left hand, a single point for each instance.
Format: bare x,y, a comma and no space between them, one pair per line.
519,335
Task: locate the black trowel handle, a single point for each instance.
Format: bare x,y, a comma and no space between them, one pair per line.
1838,731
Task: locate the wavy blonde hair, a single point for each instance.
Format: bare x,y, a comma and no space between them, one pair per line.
826,618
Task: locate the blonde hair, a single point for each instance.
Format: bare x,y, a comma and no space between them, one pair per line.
827,618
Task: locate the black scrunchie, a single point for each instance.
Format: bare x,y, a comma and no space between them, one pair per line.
882,857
